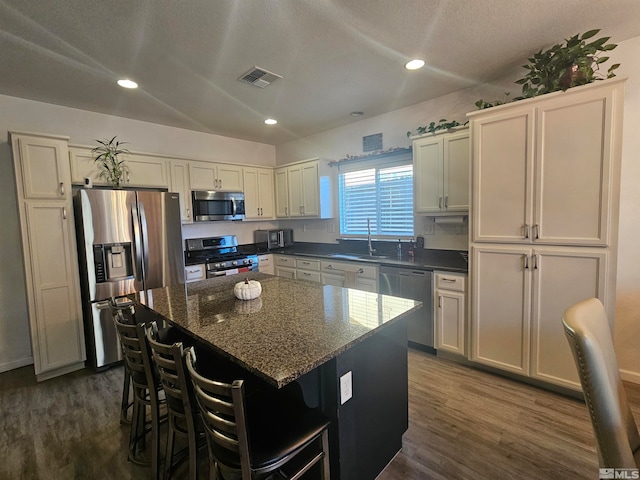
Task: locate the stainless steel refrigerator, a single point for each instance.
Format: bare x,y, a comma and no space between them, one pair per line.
128,241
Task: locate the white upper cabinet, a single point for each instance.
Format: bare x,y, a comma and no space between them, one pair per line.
45,174
215,176
180,184
441,173
142,170
258,193
304,190
543,170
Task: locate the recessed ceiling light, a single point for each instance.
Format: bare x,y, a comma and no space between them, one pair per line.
271,121
414,64
356,114
127,83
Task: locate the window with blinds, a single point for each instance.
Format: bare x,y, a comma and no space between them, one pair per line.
383,194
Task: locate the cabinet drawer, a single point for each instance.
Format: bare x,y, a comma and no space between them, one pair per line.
305,275
364,271
449,281
284,261
193,273
306,264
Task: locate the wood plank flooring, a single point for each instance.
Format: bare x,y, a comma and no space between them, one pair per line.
463,424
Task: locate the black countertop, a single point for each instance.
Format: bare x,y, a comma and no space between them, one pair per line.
425,259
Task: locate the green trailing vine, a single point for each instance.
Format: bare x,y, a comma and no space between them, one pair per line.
482,104
433,127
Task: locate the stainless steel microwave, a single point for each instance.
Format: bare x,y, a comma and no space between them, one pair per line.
270,239
210,206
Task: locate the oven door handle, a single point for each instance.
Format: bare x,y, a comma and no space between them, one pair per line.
233,207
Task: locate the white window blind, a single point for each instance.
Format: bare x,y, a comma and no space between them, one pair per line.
382,193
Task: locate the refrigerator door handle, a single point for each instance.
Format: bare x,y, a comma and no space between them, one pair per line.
145,239
103,305
137,242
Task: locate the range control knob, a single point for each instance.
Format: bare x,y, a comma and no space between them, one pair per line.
250,261
234,263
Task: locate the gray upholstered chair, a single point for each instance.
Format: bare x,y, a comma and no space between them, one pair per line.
589,334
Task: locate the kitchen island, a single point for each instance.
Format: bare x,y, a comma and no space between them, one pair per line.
299,331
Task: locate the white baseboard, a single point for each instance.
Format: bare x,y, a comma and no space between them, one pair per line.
629,376
12,365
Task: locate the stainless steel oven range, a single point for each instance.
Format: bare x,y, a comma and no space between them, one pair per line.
220,256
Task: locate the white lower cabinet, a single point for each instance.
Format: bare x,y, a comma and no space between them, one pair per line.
285,266
450,312
519,295
266,264
349,274
308,269
51,264
194,273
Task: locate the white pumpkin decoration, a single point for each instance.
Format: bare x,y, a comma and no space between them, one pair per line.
247,290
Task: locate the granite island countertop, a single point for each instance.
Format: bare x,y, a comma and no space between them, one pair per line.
292,328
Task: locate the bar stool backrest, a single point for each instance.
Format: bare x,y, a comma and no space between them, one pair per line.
223,414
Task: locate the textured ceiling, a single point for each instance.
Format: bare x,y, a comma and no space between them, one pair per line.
334,56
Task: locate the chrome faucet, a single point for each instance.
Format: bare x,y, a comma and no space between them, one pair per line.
371,249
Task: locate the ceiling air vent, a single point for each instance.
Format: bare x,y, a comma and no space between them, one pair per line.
259,77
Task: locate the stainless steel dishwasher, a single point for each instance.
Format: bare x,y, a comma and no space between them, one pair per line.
416,285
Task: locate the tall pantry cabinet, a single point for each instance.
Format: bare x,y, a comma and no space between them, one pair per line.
544,223
43,185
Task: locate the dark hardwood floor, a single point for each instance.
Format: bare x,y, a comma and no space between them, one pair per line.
464,424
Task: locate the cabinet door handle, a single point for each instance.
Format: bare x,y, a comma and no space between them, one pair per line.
360,271
188,213
537,227
446,201
448,279
329,267
439,202
535,261
526,230
128,178
526,262
286,211
64,213
439,301
62,189
219,183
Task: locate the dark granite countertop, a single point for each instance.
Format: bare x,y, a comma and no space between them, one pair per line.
425,259
292,328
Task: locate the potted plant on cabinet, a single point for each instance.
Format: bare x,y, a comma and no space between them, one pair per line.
107,155
570,64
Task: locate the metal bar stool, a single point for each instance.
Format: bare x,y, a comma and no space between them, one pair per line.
146,388
182,410
265,435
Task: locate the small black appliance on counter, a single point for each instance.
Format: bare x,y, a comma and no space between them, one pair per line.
272,239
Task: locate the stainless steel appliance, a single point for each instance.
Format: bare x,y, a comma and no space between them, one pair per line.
219,255
209,206
127,241
271,239
416,285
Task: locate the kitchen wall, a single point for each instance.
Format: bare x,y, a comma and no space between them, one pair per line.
337,143
83,128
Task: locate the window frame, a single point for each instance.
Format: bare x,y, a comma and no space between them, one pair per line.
401,158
